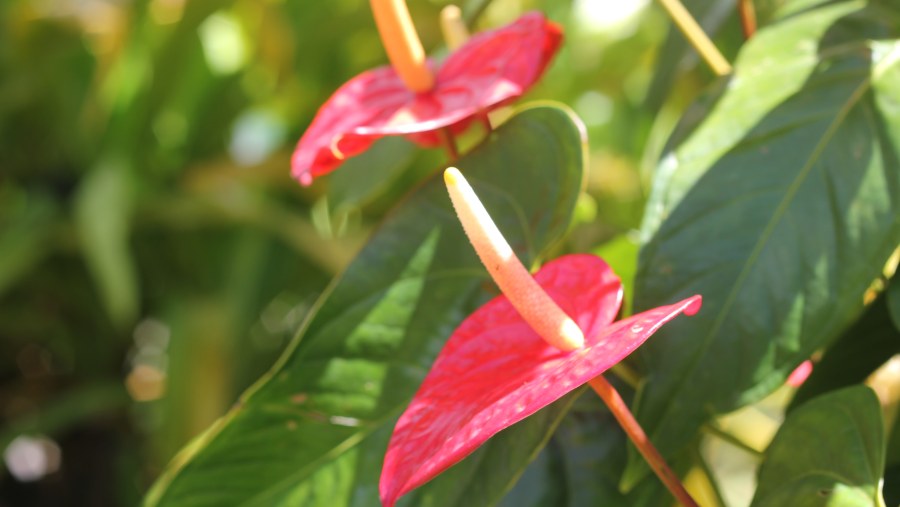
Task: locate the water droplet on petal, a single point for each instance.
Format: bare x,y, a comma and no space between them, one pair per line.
637,328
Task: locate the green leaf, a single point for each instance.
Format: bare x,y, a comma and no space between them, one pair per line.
364,177
27,223
830,451
864,347
103,219
361,354
621,254
780,209
892,294
581,464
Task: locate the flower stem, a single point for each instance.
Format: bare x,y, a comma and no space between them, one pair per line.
620,411
748,17
453,27
449,143
398,34
527,297
486,122
697,37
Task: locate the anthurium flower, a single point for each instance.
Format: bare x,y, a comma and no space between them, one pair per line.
491,69
496,369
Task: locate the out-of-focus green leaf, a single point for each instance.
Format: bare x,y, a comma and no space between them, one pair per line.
870,342
66,410
829,452
780,209
362,353
621,254
26,226
103,218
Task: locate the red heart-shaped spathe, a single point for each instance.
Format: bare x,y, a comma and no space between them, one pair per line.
491,69
495,371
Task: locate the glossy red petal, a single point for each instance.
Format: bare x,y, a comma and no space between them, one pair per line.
495,371
493,68
369,98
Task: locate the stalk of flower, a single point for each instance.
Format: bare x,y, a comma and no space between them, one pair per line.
453,27
519,353
413,97
697,37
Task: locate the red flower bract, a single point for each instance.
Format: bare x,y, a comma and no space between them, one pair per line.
495,370
491,69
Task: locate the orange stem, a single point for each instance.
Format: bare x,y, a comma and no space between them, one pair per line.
748,17
398,34
626,419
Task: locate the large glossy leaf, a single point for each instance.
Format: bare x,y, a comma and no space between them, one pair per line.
830,451
780,209
363,352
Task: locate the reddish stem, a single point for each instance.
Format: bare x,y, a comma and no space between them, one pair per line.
486,122
620,410
449,143
748,17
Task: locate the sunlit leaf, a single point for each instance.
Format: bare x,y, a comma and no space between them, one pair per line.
368,345
780,209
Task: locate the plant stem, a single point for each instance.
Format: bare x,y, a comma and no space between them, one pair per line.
748,17
626,419
486,122
472,18
449,143
697,37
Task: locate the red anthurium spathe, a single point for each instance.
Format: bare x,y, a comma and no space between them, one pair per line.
490,70
514,356
495,370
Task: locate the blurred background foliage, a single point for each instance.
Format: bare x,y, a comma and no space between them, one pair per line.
156,256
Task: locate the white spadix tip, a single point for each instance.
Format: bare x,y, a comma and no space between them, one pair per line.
527,297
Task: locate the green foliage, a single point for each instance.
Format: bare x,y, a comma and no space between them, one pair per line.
780,208
156,258
830,451
369,342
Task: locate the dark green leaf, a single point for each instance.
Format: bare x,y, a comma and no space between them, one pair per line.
870,342
780,209
830,451
892,294
362,353
581,464
26,228
363,177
